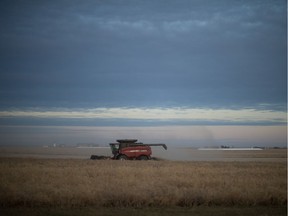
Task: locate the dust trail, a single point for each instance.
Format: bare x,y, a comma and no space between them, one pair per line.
187,154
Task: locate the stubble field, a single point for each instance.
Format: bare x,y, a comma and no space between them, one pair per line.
31,183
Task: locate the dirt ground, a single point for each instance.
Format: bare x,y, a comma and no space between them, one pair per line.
196,211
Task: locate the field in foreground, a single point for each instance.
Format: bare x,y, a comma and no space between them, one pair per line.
140,184
170,211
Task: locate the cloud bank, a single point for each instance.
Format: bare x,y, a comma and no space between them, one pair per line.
221,116
142,53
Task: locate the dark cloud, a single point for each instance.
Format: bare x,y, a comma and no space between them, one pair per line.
142,53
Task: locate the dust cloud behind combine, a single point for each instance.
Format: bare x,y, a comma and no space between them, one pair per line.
186,154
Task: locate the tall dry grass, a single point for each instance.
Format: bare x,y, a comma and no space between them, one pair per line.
51,182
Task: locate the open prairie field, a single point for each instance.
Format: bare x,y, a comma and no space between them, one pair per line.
172,154
67,186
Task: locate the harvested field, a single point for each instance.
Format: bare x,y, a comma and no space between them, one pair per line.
81,183
173,153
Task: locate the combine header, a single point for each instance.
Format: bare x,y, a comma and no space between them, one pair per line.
130,149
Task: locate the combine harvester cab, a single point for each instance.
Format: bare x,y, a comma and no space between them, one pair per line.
129,149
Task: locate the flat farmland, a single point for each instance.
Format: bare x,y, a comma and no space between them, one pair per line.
42,185
61,183
172,154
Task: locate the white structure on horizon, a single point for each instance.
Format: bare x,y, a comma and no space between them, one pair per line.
233,149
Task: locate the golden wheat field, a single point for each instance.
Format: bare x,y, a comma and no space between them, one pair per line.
63,181
79,183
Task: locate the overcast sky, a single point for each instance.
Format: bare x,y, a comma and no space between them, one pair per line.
145,62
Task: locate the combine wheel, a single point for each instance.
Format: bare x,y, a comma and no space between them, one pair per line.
122,157
143,157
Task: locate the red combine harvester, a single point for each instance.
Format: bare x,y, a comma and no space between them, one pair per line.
130,149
